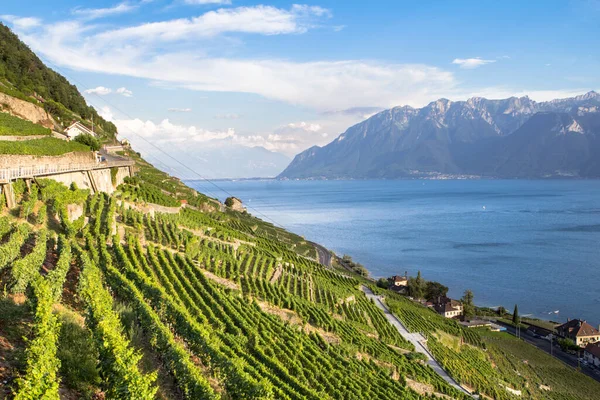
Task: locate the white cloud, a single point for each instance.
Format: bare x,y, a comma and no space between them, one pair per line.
124,92
265,20
165,131
106,113
306,126
317,85
94,13
183,110
204,2
228,116
100,90
21,22
324,85
140,51
470,63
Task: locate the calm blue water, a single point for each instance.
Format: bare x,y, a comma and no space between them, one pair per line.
535,243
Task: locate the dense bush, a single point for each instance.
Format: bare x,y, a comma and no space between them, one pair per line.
88,140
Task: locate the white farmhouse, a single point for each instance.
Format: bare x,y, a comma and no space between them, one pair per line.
76,129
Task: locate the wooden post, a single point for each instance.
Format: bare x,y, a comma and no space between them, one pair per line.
7,191
93,185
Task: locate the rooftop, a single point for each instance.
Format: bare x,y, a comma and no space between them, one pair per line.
593,349
577,327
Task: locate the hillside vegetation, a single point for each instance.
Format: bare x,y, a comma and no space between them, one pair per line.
42,147
204,303
14,126
212,301
24,75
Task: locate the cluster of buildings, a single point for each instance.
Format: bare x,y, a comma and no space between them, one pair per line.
583,335
443,305
578,331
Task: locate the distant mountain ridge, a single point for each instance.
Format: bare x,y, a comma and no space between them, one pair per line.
514,137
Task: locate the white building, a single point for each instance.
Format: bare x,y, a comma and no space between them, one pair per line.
76,129
592,354
447,307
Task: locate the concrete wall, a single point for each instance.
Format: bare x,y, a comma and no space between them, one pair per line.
101,179
81,179
13,160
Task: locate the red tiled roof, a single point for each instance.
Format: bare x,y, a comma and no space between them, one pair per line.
445,304
577,327
593,349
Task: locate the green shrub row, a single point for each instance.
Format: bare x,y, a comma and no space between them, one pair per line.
118,360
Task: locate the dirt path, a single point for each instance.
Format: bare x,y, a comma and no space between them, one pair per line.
235,244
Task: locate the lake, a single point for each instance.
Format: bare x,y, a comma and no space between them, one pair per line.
534,243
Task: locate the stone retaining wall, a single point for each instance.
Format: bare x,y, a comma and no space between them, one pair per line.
14,160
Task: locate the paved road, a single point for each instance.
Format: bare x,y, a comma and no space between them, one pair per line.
415,338
567,358
324,254
110,157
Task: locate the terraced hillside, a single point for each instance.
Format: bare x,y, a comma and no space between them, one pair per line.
188,305
203,303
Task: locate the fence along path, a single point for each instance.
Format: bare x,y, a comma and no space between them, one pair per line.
10,174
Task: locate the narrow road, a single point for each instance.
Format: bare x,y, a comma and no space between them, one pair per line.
415,338
323,253
544,345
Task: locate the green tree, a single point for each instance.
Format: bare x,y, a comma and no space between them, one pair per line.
383,283
501,311
360,269
516,315
433,290
88,140
468,306
416,286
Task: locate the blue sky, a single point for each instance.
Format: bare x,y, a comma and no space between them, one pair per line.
191,75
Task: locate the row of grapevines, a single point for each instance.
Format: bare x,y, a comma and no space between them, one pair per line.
41,373
12,248
56,277
118,360
176,359
27,268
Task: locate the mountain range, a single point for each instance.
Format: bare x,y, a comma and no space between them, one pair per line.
510,138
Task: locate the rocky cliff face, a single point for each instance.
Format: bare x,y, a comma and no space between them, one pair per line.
26,110
463,137
235,204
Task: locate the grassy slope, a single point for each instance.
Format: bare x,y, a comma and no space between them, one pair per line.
14,126
42,147
489,361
